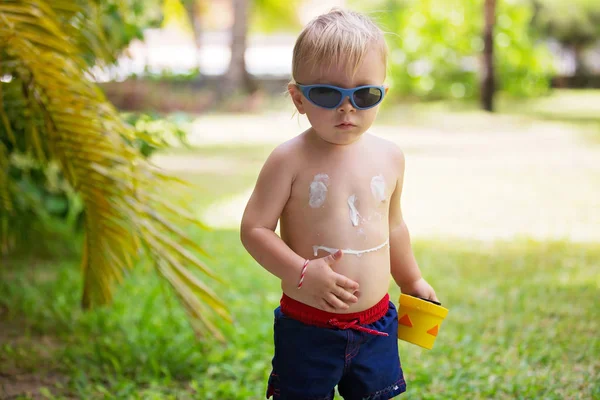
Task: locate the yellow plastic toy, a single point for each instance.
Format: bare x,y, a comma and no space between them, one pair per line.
419,320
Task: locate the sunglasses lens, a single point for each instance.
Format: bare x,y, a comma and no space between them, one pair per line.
367,97
325,97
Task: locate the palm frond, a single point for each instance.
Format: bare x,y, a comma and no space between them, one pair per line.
125,213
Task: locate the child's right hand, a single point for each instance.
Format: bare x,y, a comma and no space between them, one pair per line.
325,289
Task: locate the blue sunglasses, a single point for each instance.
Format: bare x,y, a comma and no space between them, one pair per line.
328,96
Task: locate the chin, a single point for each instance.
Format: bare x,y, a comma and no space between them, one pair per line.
339,137
344,138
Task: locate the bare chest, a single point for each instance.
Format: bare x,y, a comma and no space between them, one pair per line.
359,191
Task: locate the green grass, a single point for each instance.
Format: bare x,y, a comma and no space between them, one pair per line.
574,105
239,152
579,108
523,323
236,175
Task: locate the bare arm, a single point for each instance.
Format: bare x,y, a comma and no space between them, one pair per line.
322,287
268,199
404,267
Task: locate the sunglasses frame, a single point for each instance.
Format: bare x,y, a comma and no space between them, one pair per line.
345,93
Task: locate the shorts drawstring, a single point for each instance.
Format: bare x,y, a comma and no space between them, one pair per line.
354,325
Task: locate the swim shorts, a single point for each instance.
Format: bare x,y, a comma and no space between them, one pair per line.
316,350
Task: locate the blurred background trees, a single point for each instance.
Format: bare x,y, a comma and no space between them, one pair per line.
437,47
574,24
488,79
237,76
267,16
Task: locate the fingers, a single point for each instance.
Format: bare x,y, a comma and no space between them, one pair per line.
338,300
346,283
344,295
335,302
326,306
431,295
332,258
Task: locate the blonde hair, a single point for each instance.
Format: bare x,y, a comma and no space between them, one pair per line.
335,37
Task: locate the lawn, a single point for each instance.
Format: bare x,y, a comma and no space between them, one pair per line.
523,323
574,107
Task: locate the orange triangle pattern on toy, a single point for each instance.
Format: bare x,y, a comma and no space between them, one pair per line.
405,320
433,331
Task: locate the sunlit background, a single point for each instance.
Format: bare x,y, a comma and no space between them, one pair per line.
105,103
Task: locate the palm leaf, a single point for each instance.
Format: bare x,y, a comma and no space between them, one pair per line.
72,122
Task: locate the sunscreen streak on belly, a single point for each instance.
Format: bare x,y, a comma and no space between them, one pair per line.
350,251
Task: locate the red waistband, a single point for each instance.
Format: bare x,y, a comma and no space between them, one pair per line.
313,316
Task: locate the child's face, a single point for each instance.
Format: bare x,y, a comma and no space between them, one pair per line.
344,124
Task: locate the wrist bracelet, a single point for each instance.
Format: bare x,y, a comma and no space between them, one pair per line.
302,273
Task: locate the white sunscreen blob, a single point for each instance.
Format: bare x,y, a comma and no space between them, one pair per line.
378,188
354,215
357,253
318,190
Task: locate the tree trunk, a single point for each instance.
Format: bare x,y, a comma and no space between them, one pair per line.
237,78
488,85
193,11
580,67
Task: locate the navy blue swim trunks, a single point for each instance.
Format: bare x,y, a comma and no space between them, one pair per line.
316,350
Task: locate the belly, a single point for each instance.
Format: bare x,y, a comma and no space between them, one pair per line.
371,271
366,258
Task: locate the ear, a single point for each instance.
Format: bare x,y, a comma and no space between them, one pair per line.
297,98
387,89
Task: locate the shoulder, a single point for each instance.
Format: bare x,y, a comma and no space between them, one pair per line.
284,158
285,152
390,150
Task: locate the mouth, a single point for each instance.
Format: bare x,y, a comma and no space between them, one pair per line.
345,125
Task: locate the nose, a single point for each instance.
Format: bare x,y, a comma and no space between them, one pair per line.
346,105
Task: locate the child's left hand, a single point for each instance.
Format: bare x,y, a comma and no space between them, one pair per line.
419,288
